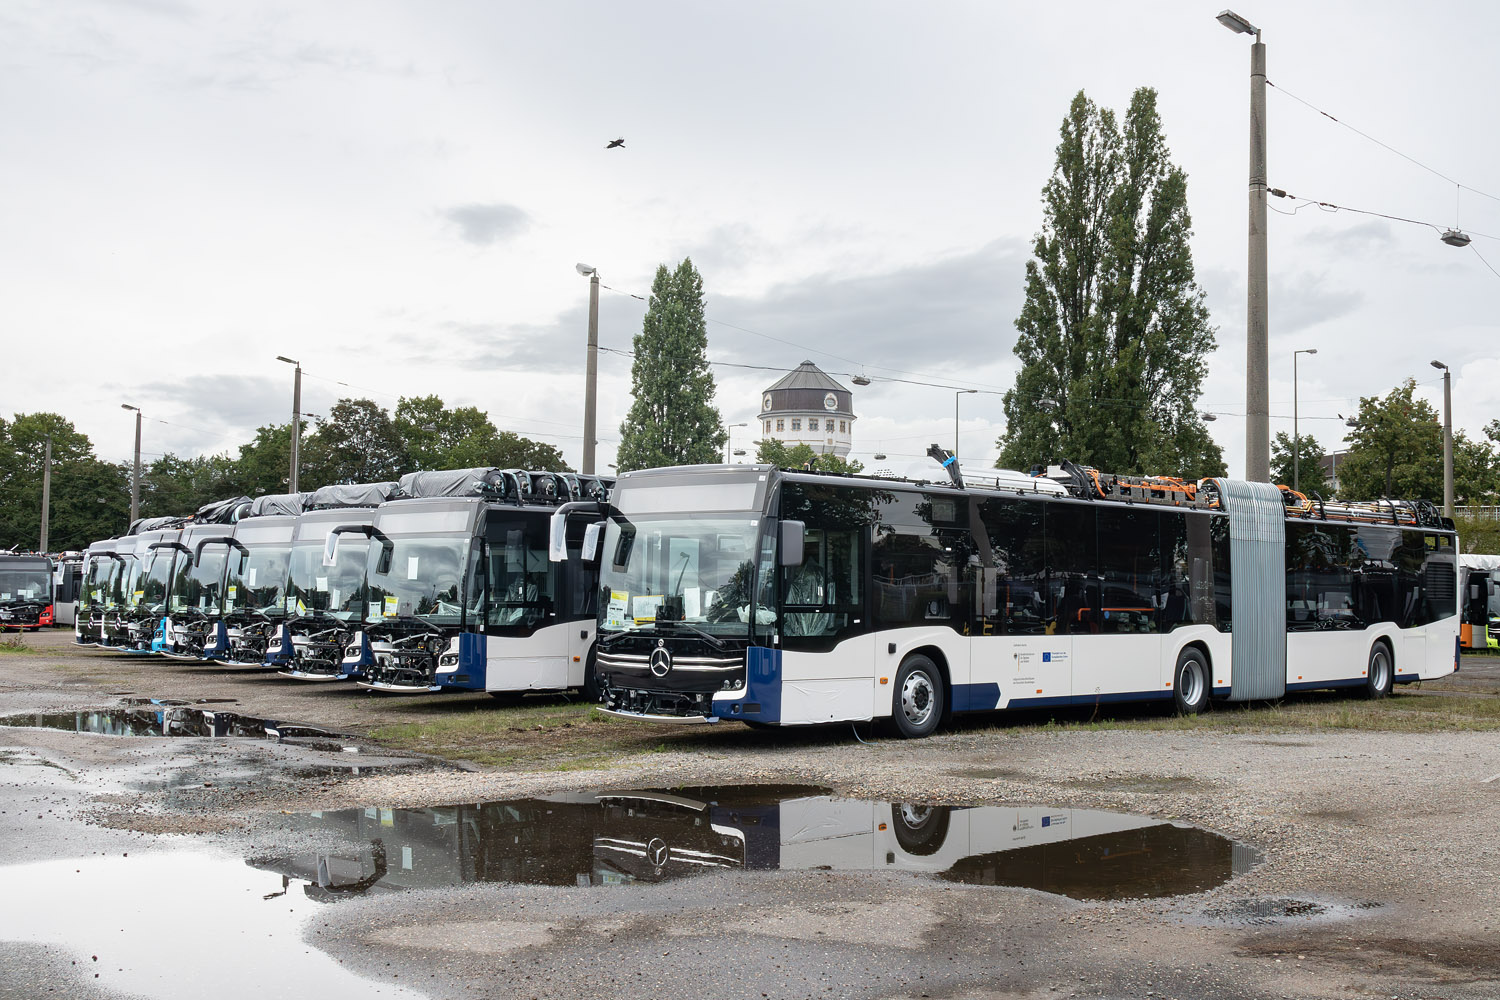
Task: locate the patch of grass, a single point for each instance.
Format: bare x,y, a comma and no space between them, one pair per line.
15,644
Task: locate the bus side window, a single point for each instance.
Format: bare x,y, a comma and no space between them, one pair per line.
1072,564
1020,574
1129,568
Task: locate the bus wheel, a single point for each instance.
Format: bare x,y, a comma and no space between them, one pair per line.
1379,676
917,701
920,830
1190,683
591,690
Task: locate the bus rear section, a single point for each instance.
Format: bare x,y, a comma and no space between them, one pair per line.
784,598
25,592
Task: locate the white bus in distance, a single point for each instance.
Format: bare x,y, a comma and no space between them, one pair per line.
784,598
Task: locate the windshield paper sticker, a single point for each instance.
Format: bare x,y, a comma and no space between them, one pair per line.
250,577
644,608
392,606
614,615
411,567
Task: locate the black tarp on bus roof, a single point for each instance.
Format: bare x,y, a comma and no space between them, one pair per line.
455,483
221,511
155,524
277,503
350,495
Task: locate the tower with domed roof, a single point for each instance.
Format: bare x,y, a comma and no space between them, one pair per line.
808,407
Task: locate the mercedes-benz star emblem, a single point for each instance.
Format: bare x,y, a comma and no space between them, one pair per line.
661,661
658,851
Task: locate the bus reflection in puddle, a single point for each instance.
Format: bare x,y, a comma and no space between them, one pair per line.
650,835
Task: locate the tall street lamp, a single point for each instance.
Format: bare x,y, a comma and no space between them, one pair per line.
591,369
46,494
956,394
1296,440
135,479
1447,439
1257,391
728,442
296,420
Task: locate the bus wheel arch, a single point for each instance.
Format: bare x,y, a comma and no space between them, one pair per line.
1192,679
920,700
1380,674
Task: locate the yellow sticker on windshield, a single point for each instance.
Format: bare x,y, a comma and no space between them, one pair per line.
644,608
392,605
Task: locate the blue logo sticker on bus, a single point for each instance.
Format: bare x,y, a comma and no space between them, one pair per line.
1046,820
1046,657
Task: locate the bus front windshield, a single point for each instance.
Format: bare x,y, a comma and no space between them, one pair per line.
122,579
695,570
19,586
418,576
335,587
153,584
257,581
196,587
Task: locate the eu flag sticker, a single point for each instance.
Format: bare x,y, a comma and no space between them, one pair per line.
1046,657
1046,820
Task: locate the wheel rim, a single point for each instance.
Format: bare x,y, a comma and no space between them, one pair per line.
1380,669
915,816
1191,685
918,698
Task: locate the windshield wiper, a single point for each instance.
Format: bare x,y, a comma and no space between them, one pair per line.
714,640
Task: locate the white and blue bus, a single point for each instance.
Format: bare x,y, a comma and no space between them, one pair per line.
462,593
783,598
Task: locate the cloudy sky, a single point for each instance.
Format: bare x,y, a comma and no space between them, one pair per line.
396,195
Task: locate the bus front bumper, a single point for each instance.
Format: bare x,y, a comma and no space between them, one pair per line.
688,720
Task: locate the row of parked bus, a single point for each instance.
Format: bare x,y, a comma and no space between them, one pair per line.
779,597
439,581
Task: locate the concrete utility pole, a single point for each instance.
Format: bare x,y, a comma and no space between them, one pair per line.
135,479
296,421
1447,439
46,493
1257,390
591,370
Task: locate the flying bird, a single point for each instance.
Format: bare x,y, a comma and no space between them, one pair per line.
617,142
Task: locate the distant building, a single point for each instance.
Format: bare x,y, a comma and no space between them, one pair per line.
807,407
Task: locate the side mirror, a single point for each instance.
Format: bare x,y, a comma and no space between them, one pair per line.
557,537
591,536
793,537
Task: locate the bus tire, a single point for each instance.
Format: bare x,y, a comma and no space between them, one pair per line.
591,689
1380,674
918,698
1190,685
919,829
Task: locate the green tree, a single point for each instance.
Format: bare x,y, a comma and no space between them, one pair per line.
357,443
672,420
1114,332
23,447
437,437
1395,449
801,456
264,464
1310,472
1476,471
172,485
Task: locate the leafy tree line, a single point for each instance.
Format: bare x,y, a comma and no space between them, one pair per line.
359,441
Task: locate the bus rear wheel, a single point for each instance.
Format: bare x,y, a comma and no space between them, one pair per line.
1190,682
591,689
918,700
1379,676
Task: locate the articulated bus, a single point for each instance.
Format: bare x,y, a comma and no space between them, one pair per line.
462,592
25,591
781,598
325,587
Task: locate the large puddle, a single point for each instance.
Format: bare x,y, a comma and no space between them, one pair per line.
652,835
163,720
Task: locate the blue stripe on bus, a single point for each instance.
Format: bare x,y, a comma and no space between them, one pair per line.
976,697
1087,699
762,688
472,661
1315,685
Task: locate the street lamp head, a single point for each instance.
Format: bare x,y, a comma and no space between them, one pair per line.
1312,350
879,457
1454,238
585,270
969,392
287,360
1439,364
127,406
1234,22
861,380
1210,417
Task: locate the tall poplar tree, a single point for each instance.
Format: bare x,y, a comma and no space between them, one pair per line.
672,420
1114,332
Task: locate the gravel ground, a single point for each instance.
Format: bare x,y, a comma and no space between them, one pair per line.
1394,835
